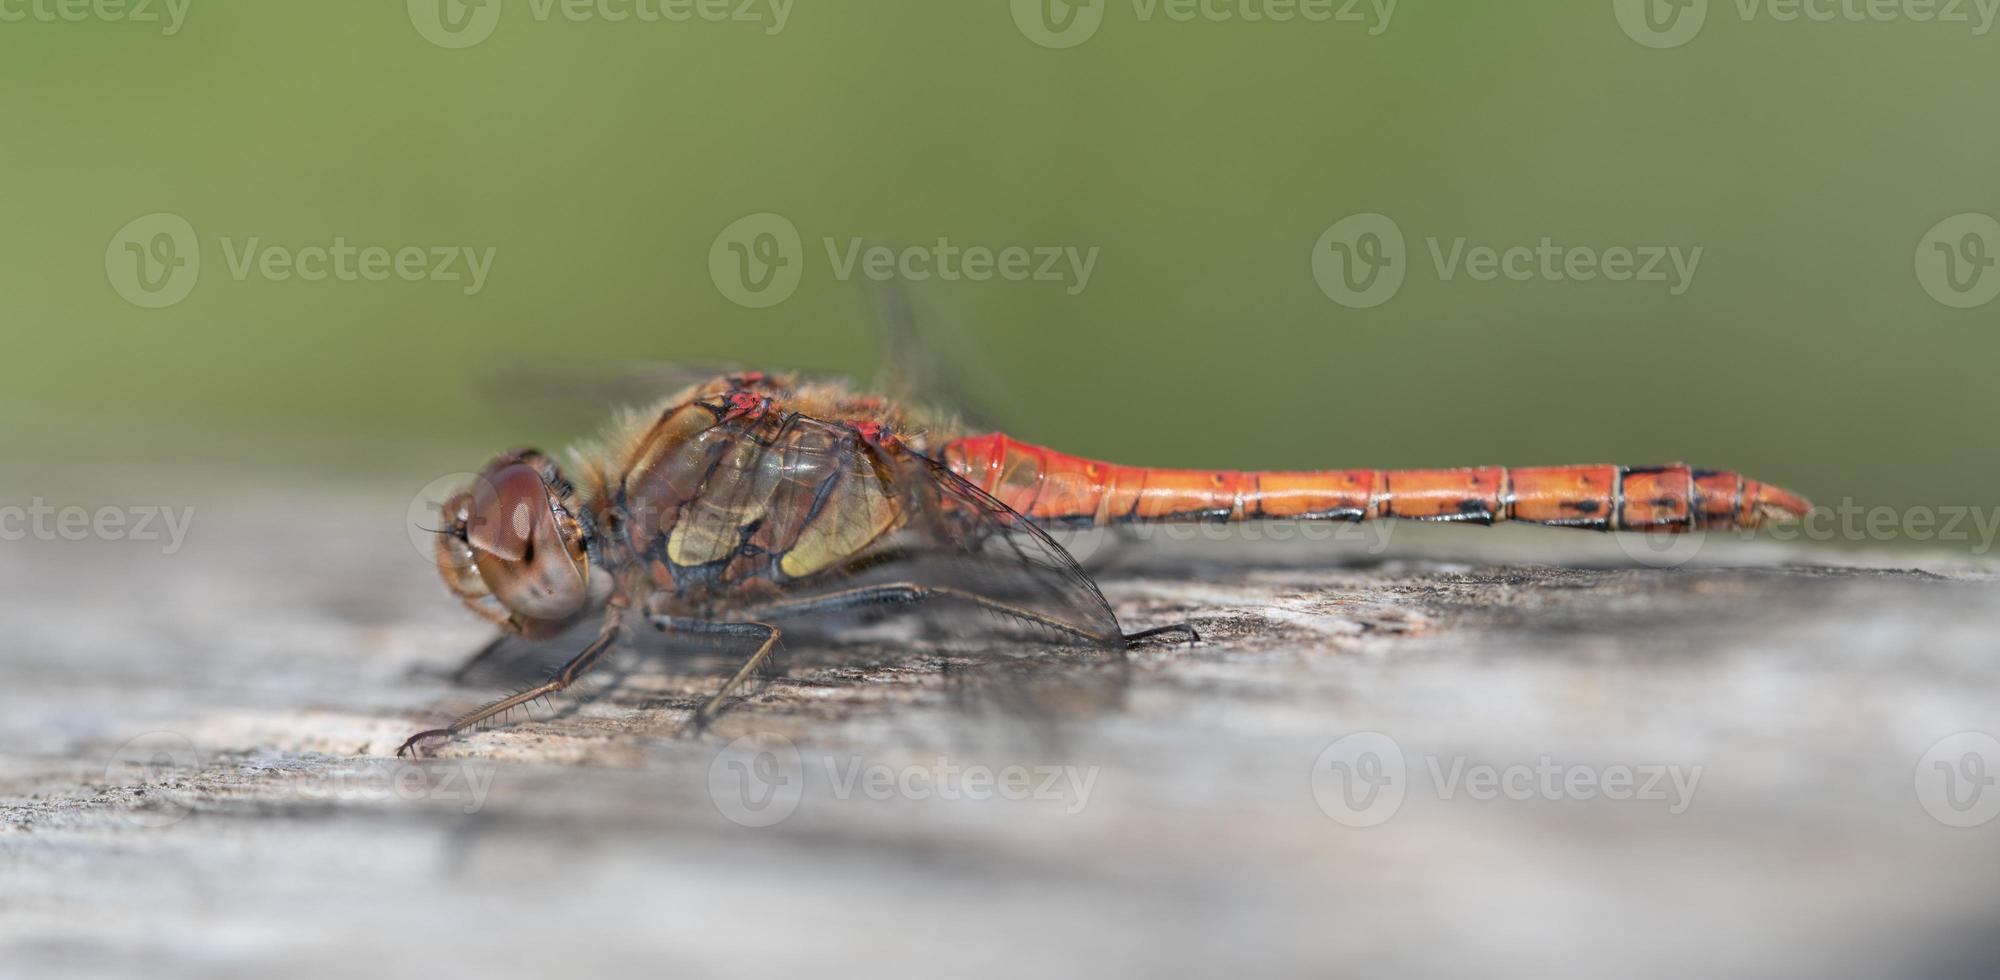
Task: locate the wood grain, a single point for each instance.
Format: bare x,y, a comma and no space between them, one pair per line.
279,657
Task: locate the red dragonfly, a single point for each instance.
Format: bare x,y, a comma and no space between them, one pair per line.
755,499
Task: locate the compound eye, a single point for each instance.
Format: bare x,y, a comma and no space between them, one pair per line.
525,556
508,508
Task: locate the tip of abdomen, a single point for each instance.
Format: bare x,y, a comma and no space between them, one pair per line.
1774,505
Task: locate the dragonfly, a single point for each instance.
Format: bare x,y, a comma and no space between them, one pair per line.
752,500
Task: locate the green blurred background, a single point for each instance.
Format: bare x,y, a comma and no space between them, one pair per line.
600,160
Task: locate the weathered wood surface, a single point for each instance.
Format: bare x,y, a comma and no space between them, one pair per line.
299,636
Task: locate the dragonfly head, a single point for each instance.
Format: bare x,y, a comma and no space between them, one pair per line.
514,548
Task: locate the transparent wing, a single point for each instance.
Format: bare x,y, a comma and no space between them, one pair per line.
955,555
914,366
576,391
1000,553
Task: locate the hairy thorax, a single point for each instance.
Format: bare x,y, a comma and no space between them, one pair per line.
734,491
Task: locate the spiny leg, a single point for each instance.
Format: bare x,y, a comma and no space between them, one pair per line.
606,639
910,593
768,633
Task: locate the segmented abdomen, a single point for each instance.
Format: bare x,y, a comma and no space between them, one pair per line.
1059,488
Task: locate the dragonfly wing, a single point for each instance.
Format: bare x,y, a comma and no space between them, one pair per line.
560,387
911,368
785,515
976,559
914,366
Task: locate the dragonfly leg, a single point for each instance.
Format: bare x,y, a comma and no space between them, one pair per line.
767,633
909,593
606,639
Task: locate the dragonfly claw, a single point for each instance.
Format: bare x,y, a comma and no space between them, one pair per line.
410,744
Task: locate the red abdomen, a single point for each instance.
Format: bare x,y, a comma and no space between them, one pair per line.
1059,488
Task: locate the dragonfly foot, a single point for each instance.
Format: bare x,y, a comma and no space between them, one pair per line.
410,744
697,726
